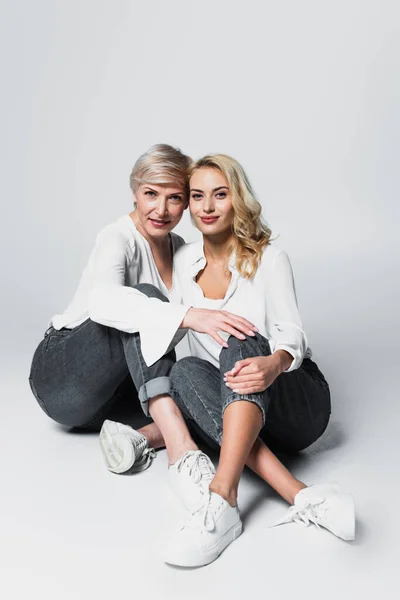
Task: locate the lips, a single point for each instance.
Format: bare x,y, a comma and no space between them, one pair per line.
209,220
158,223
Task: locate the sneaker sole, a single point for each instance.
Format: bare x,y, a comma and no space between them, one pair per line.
116,448
186,561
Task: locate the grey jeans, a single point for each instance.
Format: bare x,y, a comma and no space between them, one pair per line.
295,408
78,375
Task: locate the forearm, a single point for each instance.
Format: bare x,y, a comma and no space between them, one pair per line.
283,360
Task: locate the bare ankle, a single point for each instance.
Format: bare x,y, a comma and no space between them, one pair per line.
178,449
153,436
227,493
299,485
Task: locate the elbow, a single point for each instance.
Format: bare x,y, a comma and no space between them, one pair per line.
96,306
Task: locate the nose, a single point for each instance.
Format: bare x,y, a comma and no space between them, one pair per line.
162,207
208,205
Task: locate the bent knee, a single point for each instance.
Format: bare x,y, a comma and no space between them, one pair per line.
183,368
256,345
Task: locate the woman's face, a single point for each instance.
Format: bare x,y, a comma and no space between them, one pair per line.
211,202
159,209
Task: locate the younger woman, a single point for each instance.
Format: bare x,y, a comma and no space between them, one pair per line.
259,394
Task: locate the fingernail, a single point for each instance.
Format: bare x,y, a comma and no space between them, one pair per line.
242,337
227,384
225,345
255,329
236,391
251,333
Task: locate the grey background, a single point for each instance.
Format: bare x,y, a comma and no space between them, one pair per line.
306,96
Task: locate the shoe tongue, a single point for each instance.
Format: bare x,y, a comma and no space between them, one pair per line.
204,466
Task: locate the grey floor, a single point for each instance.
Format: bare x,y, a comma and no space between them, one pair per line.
72,530
86,88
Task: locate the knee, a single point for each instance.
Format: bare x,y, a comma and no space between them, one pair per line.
151,291
182,368
256,345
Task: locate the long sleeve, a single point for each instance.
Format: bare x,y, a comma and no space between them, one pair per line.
286,326
112,303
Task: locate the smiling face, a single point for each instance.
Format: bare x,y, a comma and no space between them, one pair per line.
211,202
159,208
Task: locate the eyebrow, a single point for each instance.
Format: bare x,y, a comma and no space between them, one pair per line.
147,187
221,187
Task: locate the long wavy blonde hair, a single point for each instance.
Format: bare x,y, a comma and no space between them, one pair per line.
251,233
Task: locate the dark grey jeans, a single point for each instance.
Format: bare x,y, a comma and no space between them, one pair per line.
296,407
78,375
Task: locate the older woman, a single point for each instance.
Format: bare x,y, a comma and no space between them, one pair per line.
115,340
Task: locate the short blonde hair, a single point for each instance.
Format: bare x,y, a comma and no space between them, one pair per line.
251,233
161,165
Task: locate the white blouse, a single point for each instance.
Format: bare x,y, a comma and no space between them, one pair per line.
268,300
121,258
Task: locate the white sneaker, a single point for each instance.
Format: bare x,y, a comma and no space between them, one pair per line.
125,449
190,477
326,506
209,529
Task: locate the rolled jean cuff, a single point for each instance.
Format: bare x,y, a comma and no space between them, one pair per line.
154,387
250,398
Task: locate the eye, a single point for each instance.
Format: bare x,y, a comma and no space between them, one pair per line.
176,198
221,195
150,193
196,196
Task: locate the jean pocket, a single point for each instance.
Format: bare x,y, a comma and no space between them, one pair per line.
55,337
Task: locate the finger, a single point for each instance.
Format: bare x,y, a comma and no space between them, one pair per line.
240,384
218,339
249,369
243,378
245,328
247,324
231,330
251,389
240,364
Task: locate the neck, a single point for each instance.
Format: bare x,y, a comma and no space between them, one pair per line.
157,242
216,247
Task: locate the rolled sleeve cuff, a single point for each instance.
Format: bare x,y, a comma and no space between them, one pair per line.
297,358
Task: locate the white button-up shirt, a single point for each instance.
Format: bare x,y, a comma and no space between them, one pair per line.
122,258
268,300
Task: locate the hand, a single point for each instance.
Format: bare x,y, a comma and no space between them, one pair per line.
205,320
253,375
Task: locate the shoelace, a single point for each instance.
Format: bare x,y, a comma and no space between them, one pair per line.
199,465
202,515
146,455
307,514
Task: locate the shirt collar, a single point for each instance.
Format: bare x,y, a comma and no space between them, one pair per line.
198,261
